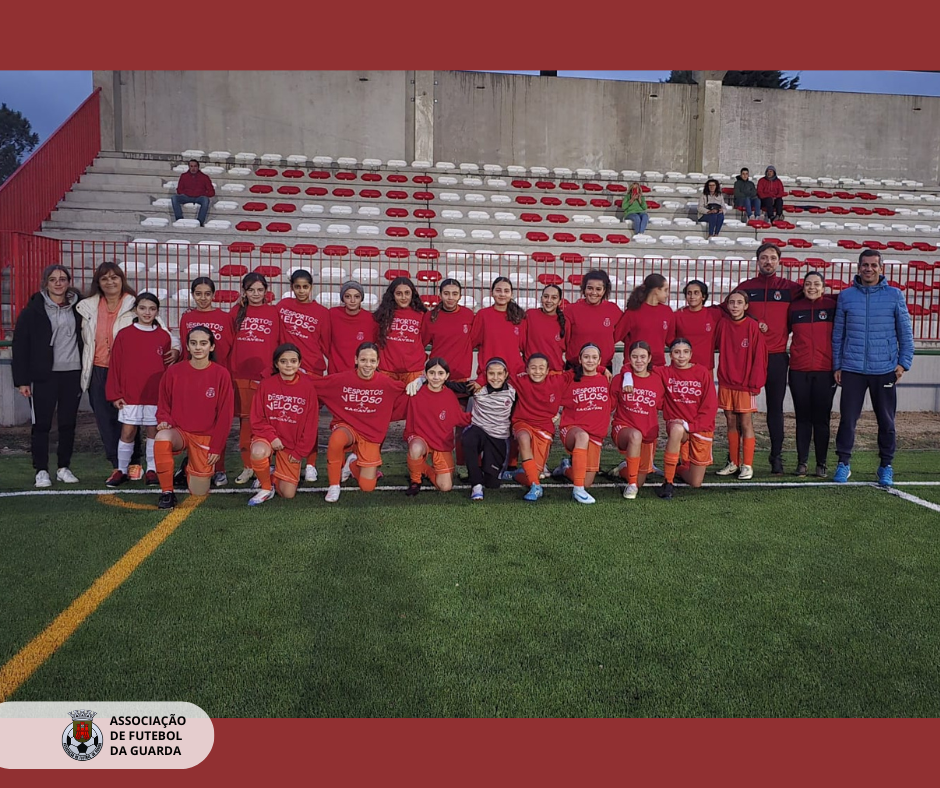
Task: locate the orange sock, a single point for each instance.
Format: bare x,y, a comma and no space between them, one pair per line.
734,446
670,461
749,444
244,442
335,457
632,469
163,458
530,471
262,469
431,474
578,469
416,468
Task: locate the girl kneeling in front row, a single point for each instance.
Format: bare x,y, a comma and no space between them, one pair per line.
284,421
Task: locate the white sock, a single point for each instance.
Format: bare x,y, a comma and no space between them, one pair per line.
125,452
151,461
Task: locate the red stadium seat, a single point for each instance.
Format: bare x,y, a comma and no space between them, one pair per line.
884,211
791,262
922,265
564,238
396,213
917,287
576,202
395,194
273,248
790,209
844,195
430,300
395,273
917,310
241,247
569,186
593,187
549,279
876,245
617,238
866,196
838,210
575,279
591,238
318,175
727,190
426,232
426,196
293,173
366,251
601,202
822,195
370,194
800,243
525,199
255,206
794,192
304,249
261,188
343,192
550,201
345,176
899,246
397,232
817,263
248,227
423,179
268,297
233,270
815,209
573,258
645,189
265,172
288,190
397,253
895,283
837,285
557,218
782,225
426,253
847,243
226,296
284,207
371,177
536,237
428,274
544,184
278,227
424,213
316,191
543,257
616,187
758,224
336,250
921,246
861,210
269,271
397,178
775,241
520,184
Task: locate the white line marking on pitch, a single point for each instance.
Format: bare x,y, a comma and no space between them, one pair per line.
912,498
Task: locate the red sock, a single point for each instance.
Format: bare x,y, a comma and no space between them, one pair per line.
530,472
632,469
734,446
244,442
262,469
163,457
578,469
749,444
416,468
312,457
335,457
670,461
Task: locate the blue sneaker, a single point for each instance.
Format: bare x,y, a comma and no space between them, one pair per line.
842,474
559,472
534,493
886,476
507,476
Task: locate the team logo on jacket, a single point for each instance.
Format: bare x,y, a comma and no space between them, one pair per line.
210,392
777,295
822,314
515,330
360,336
443,415
744,342
466,328
665,326
551,398
82,740
708,327
606,322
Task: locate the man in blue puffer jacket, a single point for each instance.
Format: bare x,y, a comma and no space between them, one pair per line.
872,347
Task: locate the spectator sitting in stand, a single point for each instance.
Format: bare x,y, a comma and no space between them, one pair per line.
771,191
194,187
745,195
711,207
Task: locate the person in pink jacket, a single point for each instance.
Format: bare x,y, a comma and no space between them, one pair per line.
770,191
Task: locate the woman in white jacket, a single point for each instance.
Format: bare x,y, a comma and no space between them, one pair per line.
108,308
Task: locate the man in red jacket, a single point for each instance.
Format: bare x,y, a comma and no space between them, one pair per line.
770,296
194,187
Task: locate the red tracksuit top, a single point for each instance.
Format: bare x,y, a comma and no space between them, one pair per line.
404,348
655,325
200,401
254,342
811,324
308,327
742,355
434,416
542,337
347,332
597,324
699,328
287,410
588,404
639,408
448,334
137,365
365,405
770,298
538,403
690,396
218,322
495,335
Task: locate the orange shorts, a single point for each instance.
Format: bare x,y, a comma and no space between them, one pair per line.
736,401
285,469
403,377
618,427
244,395
593,451
700,447
197,450
441,461
647,453
368,454
541,442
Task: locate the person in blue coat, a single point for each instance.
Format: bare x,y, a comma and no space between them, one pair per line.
872,348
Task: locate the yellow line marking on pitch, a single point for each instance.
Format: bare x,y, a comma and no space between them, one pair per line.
112,500
44,645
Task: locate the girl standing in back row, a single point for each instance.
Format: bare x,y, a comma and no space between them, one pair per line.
649,318
545,329
500,330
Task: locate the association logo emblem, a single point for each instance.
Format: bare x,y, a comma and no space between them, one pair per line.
744,342
777,295
210,392
606,322
822,314
82,740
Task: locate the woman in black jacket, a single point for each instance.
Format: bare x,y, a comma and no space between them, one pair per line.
47,368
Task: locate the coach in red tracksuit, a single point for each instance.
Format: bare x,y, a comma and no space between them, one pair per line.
194,186
770,297
812,383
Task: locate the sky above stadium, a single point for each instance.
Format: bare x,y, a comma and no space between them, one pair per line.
47,98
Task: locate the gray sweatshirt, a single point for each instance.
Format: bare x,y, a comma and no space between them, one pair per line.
65,355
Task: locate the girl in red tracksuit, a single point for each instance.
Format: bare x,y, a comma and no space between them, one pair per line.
305,323
500,330
432,416
639,395
194,413
350,326
284,423
545,329
256,328
812,383
742,373
593,318
697,323
689,411
399,319
649,318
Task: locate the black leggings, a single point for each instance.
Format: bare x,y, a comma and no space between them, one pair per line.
476,442
59,394
812,403
776,391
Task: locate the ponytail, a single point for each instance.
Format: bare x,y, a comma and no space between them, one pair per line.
436,309
247,281
638,296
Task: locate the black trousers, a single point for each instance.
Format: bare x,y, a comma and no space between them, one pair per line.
884,401
772,206
776,389
60,394
812,394
494,451
106,417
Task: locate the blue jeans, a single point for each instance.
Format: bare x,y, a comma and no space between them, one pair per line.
182,199
640,221
714,221
751,206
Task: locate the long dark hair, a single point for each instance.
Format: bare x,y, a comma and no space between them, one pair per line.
701,286
578,368
559,312
717,188
638,296
436,309
599,276
146,296
279,351
514,313
205,330
247,281
437,361
385,314
49,270
109,267
201,280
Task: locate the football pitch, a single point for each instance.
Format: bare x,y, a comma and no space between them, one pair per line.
791,599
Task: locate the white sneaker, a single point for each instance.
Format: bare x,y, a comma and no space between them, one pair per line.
245,476
65,475
332,493
476,494
729,469
581,495
261,497
615,473
220,479
42,479
747,472
310,475
256,483
630,491
347,468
